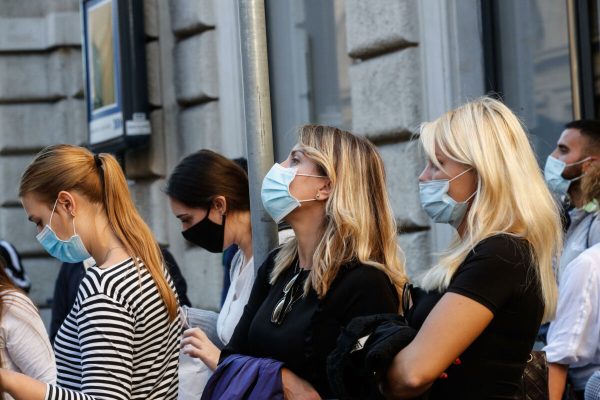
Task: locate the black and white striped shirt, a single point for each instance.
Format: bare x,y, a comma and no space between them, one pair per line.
117,342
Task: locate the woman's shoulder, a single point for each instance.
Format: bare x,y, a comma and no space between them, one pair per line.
14,301
363,275
505,247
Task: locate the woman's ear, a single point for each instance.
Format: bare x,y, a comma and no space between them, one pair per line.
220,204
324,191
67,202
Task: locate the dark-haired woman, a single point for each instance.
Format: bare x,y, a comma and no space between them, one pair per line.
208,193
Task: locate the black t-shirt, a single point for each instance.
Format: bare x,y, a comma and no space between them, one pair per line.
309,331
499,275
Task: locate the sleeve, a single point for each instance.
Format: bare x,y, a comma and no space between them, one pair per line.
26,339
106,336
239,341
60,301
501,260
366,291
573,335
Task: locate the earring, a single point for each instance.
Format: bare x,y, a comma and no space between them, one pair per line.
318,195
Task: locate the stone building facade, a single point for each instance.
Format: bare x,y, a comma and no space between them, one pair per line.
390,63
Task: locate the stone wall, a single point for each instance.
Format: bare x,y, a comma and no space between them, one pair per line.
385,80
41,103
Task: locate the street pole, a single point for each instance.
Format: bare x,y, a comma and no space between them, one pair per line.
257,110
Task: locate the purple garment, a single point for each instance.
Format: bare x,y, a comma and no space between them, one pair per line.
243,377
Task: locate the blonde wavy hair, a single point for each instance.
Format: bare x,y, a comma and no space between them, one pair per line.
359,223
511,198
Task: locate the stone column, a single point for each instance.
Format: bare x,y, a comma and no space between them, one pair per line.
385,80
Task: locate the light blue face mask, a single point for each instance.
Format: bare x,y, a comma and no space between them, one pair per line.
440,207
275,191
553,171
69,251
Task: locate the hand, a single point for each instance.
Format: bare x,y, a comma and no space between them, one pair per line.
296,388
196,344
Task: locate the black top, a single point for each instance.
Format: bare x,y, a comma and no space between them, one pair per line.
309,331
499,275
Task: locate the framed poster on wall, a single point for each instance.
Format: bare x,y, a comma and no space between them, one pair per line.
115,74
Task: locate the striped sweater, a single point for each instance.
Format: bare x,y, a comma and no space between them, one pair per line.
117,341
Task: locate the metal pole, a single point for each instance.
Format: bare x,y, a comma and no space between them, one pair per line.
574,58
257,108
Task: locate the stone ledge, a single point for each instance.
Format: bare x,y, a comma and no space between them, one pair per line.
191,16
196,69
27,128
151,18
380,26
41,77
386,94
39,34
198,128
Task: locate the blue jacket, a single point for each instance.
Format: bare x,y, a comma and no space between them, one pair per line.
242,377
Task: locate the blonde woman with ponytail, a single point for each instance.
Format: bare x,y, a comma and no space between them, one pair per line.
494,286
342,263
121,338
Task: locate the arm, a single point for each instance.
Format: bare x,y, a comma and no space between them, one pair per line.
572,336
462,320
196,344
557,380
102,343
296,388
26,339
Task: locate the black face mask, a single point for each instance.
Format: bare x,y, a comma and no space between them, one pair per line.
207,235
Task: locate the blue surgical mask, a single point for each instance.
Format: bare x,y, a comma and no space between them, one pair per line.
69,251
275,191
553,171
440,207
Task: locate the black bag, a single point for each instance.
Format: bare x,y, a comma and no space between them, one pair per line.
535,377
366,346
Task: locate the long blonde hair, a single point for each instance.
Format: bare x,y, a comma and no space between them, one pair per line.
359,223
511,198
102,182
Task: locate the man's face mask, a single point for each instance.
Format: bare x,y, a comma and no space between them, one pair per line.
553,172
